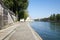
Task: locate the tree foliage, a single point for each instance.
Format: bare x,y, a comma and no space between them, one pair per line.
25,15
55,18
17,6
20,15
58,17
52,18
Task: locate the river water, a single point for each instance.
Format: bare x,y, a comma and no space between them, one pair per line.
47,30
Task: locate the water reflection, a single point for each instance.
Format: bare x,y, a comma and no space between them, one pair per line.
47,30
55,26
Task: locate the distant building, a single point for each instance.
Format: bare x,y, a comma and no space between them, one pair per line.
29,19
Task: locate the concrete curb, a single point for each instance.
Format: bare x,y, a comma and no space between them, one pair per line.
35,34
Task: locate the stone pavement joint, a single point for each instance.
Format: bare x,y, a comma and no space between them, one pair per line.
24,32
6,32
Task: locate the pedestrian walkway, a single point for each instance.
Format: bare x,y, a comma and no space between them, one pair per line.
23,32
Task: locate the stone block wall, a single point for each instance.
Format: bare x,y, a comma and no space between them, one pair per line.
6,16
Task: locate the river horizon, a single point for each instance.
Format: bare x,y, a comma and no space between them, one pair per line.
47,30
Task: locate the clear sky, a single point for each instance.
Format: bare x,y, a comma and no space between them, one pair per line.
43,8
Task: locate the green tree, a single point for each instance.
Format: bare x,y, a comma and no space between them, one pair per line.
17,6
58,17
25,15
8,3
52,17
20,15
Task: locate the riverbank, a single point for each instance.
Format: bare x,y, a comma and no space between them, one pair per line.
25,32
35,33
19,31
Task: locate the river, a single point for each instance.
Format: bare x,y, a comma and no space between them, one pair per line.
47,30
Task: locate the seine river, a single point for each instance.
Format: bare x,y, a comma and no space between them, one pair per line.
47,30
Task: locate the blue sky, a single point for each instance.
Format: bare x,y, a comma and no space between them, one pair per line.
43,8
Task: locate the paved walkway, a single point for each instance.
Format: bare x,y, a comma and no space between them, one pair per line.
23,32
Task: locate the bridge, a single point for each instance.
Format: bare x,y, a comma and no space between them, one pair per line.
11,29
